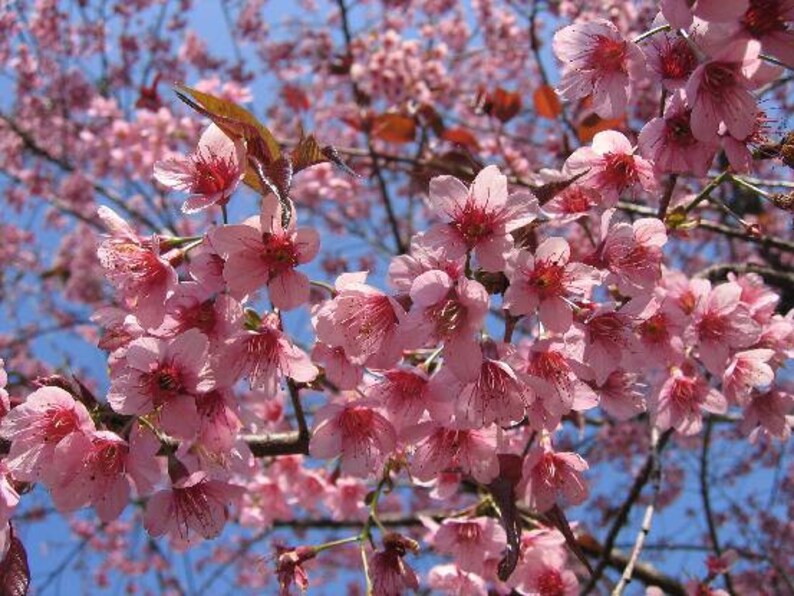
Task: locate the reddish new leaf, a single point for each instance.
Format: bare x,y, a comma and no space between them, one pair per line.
14,570
394,128
593,124
547,103
296,98
461,136
235,121
505,104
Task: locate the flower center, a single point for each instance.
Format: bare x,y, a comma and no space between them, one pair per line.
550,583
608,55
619,171
677,60
59,423
718,77
764,17
547,279
654,329
108,458
279,253
678,130
448,315
213,173
473,223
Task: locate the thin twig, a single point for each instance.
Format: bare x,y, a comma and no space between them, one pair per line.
705,496
645,527
623,513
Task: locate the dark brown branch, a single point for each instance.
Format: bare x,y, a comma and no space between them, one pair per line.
782,279
712,226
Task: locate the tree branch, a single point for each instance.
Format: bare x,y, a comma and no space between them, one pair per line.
623,513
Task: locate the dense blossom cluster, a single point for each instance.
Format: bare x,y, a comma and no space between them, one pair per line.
533,298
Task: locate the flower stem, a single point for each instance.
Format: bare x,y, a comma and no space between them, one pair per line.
651,32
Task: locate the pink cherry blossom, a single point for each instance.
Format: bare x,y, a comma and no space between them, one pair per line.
94,468
194,306
405,269
611,166
770,413
470,541
632,252
261,251
448,310
345,499
193,505
597,61
491,393
482,216
36,427
134,265
620,395
746,371
363,321
721,323
607,335
572,203
553,476
669,144
5,402
361,435
679,402
450,579
403,393
9,497
391,575
769,21
553,383
720,91
679,13
548,281
210,174
264,356
338,369
164,375
264,501
671,59
439,448
659,325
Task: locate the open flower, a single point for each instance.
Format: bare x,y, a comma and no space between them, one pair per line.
548,281
680,400
262,251
611,166
264,355
133,264
210,174
551,476
361,435
670,144
363,321
35,428
193,505
597,61
481,217
164,375
719,91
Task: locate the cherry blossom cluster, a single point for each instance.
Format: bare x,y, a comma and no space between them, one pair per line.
257,380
